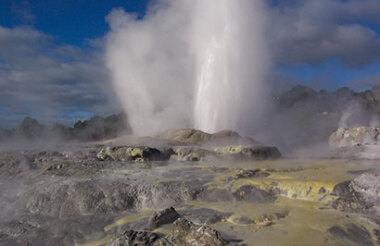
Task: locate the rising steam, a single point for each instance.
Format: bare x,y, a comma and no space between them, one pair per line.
193,63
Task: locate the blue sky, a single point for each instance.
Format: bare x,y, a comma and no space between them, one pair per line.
68,21
51,52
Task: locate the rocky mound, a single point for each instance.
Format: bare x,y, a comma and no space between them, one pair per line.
193,145
197,137
357,142
187,153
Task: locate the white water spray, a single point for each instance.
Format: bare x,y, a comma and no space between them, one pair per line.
196,63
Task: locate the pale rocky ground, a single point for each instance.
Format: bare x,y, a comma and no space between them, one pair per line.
237,193
359,142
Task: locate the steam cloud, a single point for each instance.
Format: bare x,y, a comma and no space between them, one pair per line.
194,63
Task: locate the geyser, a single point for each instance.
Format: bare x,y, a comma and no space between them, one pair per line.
198,64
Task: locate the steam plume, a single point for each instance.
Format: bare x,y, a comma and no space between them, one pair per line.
194,63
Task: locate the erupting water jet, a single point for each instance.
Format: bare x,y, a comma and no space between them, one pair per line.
200,64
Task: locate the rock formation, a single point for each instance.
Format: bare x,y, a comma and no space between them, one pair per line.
356,142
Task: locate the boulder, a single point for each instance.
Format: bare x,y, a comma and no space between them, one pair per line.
248,152
186,233
127,153
163,217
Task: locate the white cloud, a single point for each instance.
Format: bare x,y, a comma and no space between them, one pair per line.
315,31
49,81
